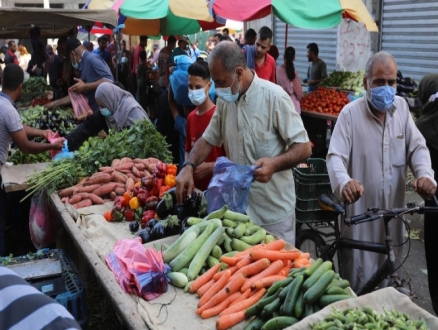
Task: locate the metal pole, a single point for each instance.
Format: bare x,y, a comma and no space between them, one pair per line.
285,38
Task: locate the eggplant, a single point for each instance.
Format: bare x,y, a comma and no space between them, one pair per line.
133,226
158,231
165,206
151,223
144,235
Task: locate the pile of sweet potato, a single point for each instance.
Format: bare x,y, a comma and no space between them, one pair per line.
109,182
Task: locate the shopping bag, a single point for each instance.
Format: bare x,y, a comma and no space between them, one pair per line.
80,105
64,153
42,221
230,186
52,138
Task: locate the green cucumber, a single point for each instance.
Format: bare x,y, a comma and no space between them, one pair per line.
303,272
211,261
239,230
249,223
184,271
295,270
221,240
218,214
343,284
330,299
279,322
230,254
180,244
194,221
203,253
318,289
187,287
324,267
224,266
229,231
217,251
285,290
258,307
299,305
269,239
279,284
252,229
203,225
271,308
292,295
255,238
238,245
335,290
227,244
308,309
255,324
177,279
234,216
318,262
229,223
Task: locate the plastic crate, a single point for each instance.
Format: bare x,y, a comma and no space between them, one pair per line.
66,288
313,216
309,191
316,172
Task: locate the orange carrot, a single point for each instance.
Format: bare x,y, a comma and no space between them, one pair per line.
243,305
305,255
203,289
244,262
253,268
267,281
273,269
216,310
287,265
274,255
231,261
245,295
204,278
219,275
301,263
229,320
232,286
216,287
276,245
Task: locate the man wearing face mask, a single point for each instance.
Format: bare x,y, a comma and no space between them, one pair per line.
257,124
373,142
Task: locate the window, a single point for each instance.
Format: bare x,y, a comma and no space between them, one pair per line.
57,6
29,5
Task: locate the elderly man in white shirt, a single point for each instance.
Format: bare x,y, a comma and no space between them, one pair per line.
373,142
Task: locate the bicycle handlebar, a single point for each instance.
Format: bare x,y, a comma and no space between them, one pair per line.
377,214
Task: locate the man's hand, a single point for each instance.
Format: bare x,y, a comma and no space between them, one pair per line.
424,187
58,145
203,170
79,87
266,170
45,134
51,105
184,181
352,191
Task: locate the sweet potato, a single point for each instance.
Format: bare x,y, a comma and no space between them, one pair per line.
126,171
63,199
147,174
125,166
135,171
86,189
67,192
99,179
152,160
139,166
106,169
119,191
118,177
137,161
75,199
112,195
95,199
125,160
80,183
83,203
129,184
105,189
83,195
115,163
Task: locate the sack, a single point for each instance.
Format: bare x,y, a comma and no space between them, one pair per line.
42,221
138,270
80,105
229,186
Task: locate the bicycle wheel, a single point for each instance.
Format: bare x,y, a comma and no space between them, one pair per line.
312,242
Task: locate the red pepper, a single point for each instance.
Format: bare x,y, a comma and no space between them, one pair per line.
142,197
158,183
147,216
138,190
163,190
129,215
161,167
147,182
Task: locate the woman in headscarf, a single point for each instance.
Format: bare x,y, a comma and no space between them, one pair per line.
119,108
428,126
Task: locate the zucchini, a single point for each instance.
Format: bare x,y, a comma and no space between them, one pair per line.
278,285
299,273
221,240
239,230
229,231
238,245
227,244
258,307
279,322
203,253
285,290
230,254
324,267
296,270
308,309
330,299
187,287
177,279
314,266
343,284
217,251
229,223
193,221
255,238
318,289
234,216
218,214
187,255
252,229
203,225
299,305
184,271
292,295
335,290
269,239
180,244
270,308
249,223
255,324
211,261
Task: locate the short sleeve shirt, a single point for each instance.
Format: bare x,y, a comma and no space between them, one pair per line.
10,122
93,68
317,71
262,123
267,69
105,54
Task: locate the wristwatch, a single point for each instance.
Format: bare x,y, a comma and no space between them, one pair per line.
188,163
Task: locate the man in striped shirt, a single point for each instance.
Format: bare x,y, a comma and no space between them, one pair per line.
23,307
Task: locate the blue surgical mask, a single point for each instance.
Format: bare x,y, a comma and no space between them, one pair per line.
75,64
105,112
124,59
226,93
382,97
197,96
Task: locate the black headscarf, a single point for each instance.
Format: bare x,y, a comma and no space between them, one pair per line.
428,121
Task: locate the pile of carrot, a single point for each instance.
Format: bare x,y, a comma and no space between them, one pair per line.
109,182
228,293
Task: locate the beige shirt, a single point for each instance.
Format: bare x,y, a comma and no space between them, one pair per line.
377,155
262,123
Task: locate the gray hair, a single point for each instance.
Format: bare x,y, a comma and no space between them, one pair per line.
229,54
380,57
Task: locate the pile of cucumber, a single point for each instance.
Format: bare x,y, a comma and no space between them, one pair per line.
199,248
367,318
304,292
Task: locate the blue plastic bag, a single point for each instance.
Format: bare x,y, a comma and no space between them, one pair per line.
65,153
230,186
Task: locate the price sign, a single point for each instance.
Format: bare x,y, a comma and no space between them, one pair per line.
354,45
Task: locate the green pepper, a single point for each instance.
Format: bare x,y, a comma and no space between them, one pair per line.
116,215
138,214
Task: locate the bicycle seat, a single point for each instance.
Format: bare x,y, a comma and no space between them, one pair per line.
330,203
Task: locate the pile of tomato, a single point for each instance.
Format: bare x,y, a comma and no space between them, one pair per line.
324,100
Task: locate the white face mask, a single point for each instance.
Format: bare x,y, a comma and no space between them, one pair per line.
197,96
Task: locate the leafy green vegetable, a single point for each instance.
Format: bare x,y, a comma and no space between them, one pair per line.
35,85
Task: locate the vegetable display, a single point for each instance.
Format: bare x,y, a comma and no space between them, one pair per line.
19,157
324,100
58,120
141,141
345,80
367,318
36,85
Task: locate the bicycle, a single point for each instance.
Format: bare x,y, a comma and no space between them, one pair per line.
327,249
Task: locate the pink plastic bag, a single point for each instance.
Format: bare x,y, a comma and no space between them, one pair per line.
138,270
80,105
42,221
52,138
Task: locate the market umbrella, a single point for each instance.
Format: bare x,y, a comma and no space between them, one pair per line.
316,14
164,17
